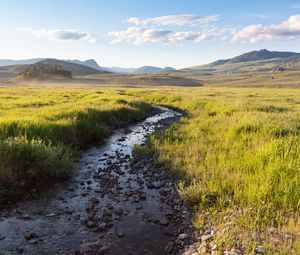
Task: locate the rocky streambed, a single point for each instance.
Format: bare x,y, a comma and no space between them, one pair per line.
111,206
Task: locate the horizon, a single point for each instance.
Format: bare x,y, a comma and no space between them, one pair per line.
138,33
132,67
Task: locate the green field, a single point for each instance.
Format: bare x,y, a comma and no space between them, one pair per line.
42,128
236,152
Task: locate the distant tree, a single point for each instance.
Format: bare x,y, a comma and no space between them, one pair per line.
40,70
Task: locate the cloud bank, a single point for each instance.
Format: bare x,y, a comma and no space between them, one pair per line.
140,36
148,30
177,20
287,30
61,34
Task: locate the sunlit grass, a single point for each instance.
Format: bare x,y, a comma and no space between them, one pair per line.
236,149
42,127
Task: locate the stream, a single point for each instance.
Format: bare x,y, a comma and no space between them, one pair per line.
112,205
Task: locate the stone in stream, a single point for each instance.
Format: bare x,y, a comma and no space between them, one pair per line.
70,231
33,241
91,224
205,238
20,250
183,237
2,237
120,234
119,211
31,237
164,222
88,247
23,216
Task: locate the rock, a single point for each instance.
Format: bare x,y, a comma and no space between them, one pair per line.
20,250
83,249
120,234
70,231
76,216
164,222
50,215
214,247
101,226
33,241
202,248
183,237
206,238
169,247
29,235
150,185
260,250
2,237
23,217
104,249
88,247
119,211
91,224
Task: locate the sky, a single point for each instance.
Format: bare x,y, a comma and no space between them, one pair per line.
133,33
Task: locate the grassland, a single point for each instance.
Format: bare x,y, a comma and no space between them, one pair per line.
237,155
42,128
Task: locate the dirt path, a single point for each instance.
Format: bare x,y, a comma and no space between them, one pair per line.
111,206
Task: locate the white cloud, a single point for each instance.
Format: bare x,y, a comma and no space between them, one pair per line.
287,30
178,20
61,34
140,36
202,36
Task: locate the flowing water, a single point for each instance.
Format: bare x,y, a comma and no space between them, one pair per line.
107,207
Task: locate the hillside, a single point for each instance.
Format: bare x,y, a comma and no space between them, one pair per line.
76,69
153,69
255,61
43,72
89,63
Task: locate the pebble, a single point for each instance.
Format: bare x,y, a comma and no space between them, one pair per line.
260,250
120,234
206,238
183,237
164,222
23,217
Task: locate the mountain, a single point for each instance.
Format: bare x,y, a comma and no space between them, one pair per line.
153,69
10,62
90,63
120,70
76,69
254,61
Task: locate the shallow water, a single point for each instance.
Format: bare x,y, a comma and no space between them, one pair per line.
107,190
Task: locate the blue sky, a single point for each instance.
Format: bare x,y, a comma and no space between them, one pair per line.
133,33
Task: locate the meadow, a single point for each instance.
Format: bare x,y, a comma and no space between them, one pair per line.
237,157
235,153
43,128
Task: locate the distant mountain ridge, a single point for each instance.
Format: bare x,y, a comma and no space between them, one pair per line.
89,63
76,68
153,69
262,60
257,55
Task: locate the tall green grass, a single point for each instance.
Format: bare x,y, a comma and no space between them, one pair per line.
41,128
238,149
